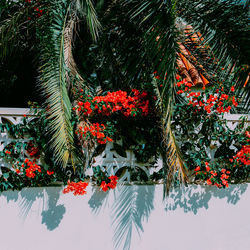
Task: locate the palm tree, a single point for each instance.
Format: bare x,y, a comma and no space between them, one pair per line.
148,35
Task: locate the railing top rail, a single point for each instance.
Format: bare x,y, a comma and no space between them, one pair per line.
16,111
26,111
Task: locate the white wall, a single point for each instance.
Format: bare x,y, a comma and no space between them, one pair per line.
197,217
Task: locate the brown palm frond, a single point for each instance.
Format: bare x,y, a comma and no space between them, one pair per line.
173,162
68,56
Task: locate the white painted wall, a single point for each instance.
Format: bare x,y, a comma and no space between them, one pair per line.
193,218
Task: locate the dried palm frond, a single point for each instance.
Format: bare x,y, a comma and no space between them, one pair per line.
175,162
73,75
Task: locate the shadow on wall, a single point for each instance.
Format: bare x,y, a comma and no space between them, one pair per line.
194,197
98,200
133,205
52,214
130,206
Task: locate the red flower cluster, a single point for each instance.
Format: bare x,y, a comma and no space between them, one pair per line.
112,184
242,158
78,188
247,134
7,152
50,172
37,11
113,102
32,167
29,168
219,102
214,178
95,130
156,76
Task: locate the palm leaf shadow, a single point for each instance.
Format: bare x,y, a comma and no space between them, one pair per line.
131,207
98,200
28,197
195,197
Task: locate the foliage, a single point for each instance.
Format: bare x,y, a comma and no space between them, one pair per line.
119,111
208,144
30,160
118,46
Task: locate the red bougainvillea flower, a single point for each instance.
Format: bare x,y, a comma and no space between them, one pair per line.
220,102
113,181
197,168
32,150
178,77
247,133
209,182
78,188
118,101
104,186
213,173
242,158
50,172
32,167
94,130
112,184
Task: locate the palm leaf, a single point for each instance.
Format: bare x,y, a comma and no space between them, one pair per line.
158,18
9,32
59,71
174,160
54,84
224,26
87,11
72,74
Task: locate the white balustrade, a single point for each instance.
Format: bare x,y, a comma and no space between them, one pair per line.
108,160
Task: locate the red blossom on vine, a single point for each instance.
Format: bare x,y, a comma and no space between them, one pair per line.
112,184
78,188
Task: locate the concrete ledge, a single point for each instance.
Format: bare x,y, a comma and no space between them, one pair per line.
129,217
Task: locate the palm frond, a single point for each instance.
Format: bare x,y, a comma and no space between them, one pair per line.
87,10
68,56
174,159
224,29
158,19
54,84
10,32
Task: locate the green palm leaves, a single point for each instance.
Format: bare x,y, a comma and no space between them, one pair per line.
58,70
158,19
222,41
54,84
225,34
